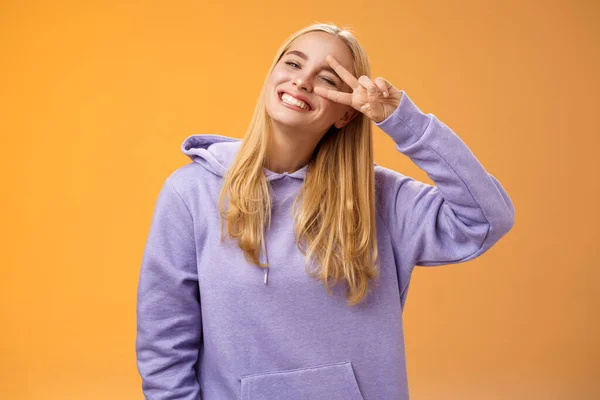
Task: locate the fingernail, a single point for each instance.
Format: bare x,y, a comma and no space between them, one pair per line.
385,94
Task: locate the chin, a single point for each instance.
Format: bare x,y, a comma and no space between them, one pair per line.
286,121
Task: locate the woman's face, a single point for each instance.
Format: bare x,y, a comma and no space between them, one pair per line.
290,99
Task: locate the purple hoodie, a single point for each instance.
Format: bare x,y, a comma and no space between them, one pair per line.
207,320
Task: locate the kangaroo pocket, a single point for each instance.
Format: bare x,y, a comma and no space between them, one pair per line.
320,382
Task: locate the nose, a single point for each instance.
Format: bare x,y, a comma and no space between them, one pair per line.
302,83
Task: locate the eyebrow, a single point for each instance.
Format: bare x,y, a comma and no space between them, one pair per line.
326,67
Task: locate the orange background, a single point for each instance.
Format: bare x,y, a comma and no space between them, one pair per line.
97,96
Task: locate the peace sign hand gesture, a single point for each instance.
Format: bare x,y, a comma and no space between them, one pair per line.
376,99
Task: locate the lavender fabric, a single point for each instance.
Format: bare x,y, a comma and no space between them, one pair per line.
208,320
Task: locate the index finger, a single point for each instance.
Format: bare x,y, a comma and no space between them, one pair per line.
342,72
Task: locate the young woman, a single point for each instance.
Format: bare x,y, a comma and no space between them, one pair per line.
278,267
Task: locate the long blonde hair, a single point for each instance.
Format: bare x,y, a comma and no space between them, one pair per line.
335,224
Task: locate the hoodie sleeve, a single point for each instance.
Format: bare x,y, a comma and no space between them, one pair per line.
458,218
169,321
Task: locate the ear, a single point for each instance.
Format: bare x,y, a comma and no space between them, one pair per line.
348,116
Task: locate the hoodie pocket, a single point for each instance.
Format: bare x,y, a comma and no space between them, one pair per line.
327,382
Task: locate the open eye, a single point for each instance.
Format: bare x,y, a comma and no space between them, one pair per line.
293,64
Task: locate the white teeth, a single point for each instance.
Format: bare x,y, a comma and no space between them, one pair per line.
286,98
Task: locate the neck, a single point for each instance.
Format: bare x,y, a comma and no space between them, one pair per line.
290,150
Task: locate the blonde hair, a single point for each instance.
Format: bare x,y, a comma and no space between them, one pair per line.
335,224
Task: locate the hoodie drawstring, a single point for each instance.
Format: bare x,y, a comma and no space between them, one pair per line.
266,279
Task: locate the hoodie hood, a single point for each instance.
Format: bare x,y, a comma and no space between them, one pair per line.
216,153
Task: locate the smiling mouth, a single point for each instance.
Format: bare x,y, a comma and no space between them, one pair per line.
294,106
